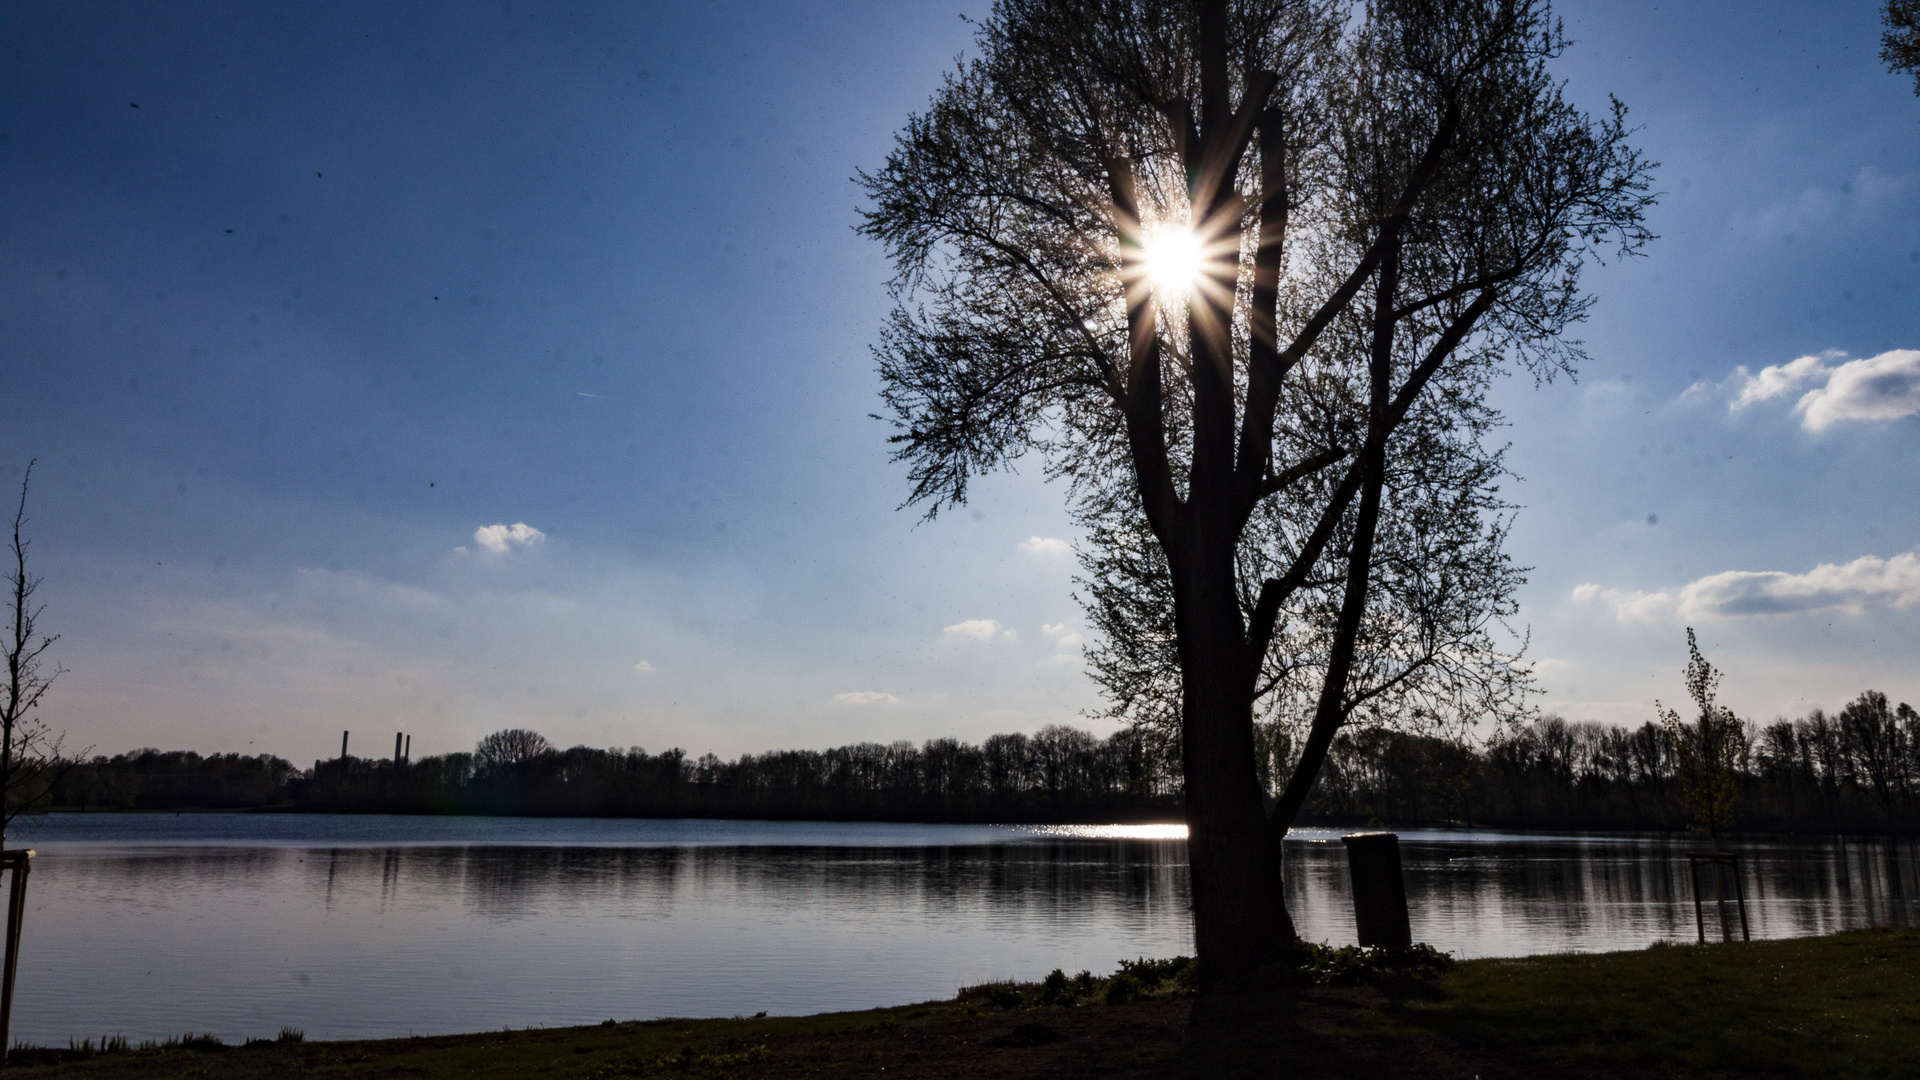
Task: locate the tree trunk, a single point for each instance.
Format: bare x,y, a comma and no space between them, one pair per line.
1242,932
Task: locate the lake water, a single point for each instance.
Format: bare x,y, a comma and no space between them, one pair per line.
149,925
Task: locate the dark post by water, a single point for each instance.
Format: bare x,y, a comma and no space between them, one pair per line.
1379,890
18,862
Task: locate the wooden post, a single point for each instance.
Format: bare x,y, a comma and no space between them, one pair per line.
19,862
1699,918
1724,863
1379,889
1740,890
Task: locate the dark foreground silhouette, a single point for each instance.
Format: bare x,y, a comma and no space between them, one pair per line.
1843,1006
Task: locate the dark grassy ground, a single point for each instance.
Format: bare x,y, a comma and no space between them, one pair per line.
1842,1006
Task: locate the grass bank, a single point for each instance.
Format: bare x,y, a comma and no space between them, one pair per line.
1843,1006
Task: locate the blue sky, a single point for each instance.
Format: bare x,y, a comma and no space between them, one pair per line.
297,302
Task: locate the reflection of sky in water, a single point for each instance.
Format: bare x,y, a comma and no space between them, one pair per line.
156,924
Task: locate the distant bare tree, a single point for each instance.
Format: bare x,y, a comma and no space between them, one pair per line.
1708,750
1900,45
30,760
514,746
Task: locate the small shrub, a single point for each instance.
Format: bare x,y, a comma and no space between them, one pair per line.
1056,988
189,1041
999,995
287,1035
1351,965
1187,980
1152,973
1123,988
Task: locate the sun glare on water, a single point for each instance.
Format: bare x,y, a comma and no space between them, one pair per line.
1114,832
1172,253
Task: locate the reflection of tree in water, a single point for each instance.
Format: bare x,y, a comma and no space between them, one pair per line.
1043,879
142,873
1612,893
511,882
1480,898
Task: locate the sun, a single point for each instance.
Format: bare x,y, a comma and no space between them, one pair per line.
1173,256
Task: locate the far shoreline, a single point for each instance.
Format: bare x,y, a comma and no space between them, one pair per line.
1455,828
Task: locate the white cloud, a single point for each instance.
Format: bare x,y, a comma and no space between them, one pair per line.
498,538
1062,638
1854,587
1884,387
1879,388
866,697
980,630
1628,606
1045,545
643,667
1778,379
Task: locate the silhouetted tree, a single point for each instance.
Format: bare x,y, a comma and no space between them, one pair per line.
512,746
1809,776
29,751
1900,45
1709,750
1873,731
1282,454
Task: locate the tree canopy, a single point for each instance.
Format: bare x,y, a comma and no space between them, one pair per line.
1900,45
1281,455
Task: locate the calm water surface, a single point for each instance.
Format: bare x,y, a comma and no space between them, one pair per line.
357,926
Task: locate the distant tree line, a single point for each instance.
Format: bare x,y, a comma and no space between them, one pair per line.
1059,774
1857,770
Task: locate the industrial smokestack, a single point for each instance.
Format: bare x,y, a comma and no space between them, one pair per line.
343,744
396,748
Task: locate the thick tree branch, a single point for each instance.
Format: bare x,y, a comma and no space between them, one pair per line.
1347,707
1146,423
1275,591
1260,428
1443,347
1294,473
1186,136
1479,284
1328,713
1333,708
1264,369
1226,145
1213,64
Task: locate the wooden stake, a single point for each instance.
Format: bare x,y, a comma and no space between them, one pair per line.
19,862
